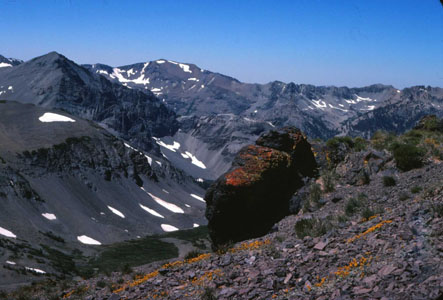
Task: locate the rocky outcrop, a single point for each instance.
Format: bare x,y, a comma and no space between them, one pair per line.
254,194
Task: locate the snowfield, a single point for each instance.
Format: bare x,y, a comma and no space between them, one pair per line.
51,117
87,240
168,228
151,211
49,216
7,233
116,211
198,197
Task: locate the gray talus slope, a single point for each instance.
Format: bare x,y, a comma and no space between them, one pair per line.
75,179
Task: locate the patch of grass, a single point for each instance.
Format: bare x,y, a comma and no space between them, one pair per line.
328,181
360,144
311,227
133,253
60,261
315,194
367,212
388,181
342,219
335,142
403,196
352,206
416,189
280,238
208,294
197,236
101,284
382,140
126,269
437,209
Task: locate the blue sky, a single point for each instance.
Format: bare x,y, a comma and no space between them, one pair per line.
351,43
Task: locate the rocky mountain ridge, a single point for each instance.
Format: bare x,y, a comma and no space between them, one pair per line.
53,81
320,111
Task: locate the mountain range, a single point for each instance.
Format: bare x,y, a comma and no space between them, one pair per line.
200,119
94,154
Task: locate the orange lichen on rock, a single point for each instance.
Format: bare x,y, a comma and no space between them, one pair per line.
256,159
353,264
369,230
250,246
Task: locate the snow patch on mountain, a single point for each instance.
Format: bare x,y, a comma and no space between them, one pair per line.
49,216
168,228
51,117
116,211
319,103
175,146
5,65
7,233
35,270
198,197
194,160
172,207
151,211
87,240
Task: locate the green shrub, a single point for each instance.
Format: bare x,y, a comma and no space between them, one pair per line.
388,181
403,196
407,156
280,238
416,189
367,213
101,284
360,144
126,269
311,227
334,142
208,294
437,209
314,193
352,206
382,139
342,219
328,181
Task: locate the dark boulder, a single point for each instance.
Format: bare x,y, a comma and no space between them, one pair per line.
255,193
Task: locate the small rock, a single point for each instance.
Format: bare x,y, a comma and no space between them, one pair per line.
114,297
287,278
358,290
321,245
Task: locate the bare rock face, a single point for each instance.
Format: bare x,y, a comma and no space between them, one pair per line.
254,194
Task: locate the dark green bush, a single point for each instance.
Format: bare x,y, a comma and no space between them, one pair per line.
407,156
311,227
208,294
416,189
388,181
352,205
126,269
403,196
367,213
328,181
